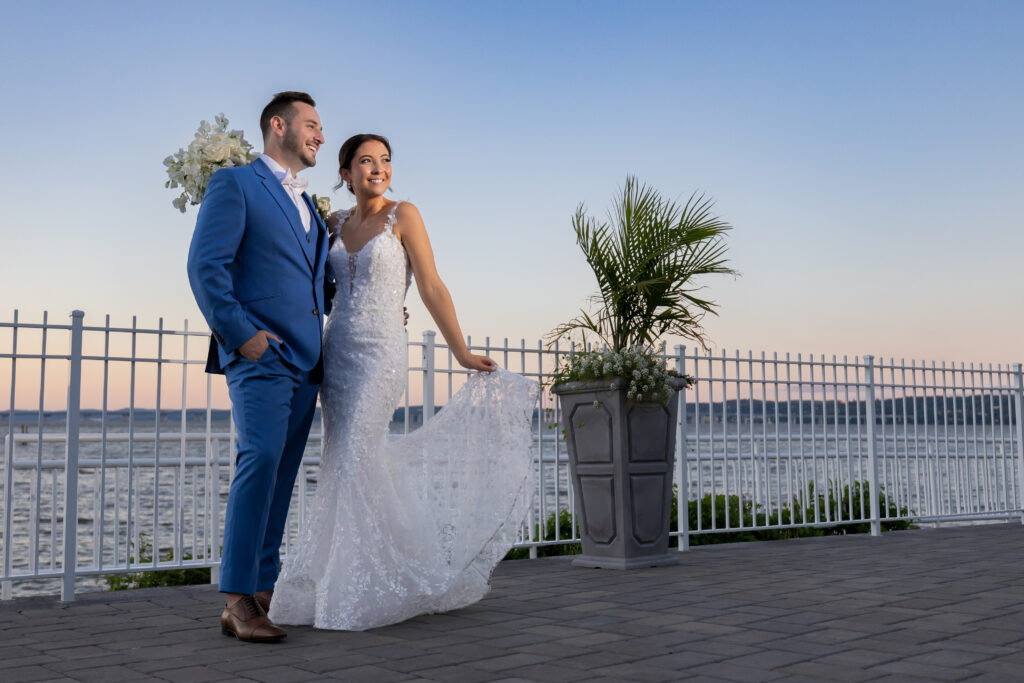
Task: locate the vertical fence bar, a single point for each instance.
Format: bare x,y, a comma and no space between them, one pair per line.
724,433
820,492
988,412
37,482
906,432
754,449
405,398
849,438
1018,419
156,445
921,493
938,500
764,442
7,586
697,439
428,375
541,428
131,537
869,385
6,589
981,476
738,475
211,543
791,487
682,466
99,522
179,482
999,413
882,386
67,591
778,444
809,492
837,437
959,506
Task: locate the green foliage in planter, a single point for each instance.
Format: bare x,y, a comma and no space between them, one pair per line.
646,372
157,579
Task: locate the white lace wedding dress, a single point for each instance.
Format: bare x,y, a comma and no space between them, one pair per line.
409,525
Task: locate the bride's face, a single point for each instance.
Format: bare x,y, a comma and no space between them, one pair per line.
370,170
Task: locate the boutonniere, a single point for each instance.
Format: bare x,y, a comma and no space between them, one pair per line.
323,207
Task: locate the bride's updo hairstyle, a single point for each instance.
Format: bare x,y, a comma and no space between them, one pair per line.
348,152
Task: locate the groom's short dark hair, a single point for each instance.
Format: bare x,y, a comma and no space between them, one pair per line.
281,106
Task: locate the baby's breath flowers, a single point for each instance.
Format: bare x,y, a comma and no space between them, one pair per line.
646,372
214,147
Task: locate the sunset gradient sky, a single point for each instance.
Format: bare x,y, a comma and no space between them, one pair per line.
869,155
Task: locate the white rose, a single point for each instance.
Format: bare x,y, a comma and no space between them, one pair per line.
217,151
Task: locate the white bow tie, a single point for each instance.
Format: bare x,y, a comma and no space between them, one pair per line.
298,184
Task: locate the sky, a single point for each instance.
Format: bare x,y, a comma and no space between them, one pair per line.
868,155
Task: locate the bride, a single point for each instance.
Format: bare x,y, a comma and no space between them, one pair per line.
409,525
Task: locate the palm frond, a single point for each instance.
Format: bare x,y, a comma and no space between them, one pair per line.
646,258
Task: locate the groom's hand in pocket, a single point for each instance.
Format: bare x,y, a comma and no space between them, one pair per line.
257,346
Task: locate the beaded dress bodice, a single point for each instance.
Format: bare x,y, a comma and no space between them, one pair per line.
371,282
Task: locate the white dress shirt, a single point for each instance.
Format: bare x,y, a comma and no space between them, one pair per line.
281,174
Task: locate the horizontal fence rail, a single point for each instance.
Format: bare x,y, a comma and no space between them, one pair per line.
118,449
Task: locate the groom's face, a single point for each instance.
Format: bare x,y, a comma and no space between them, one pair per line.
304,135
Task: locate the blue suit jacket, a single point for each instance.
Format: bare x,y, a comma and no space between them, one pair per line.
252,266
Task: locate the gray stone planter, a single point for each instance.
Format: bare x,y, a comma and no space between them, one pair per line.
620,458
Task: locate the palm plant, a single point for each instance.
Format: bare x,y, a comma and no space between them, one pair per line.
647,258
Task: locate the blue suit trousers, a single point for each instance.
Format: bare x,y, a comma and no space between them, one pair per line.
273,403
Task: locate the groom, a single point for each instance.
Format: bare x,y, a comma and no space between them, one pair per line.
256,266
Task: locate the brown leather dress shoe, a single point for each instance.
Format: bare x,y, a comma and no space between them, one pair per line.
247,621
264,598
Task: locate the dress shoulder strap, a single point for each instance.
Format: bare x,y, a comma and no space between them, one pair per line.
391,217
334,223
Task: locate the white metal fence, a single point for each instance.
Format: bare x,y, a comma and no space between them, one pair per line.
119,430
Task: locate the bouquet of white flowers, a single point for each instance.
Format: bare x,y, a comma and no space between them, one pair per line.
214,147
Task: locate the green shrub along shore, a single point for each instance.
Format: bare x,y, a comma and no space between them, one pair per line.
156,579
704,515
850,504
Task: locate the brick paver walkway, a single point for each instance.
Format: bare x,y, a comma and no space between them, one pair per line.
945,604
